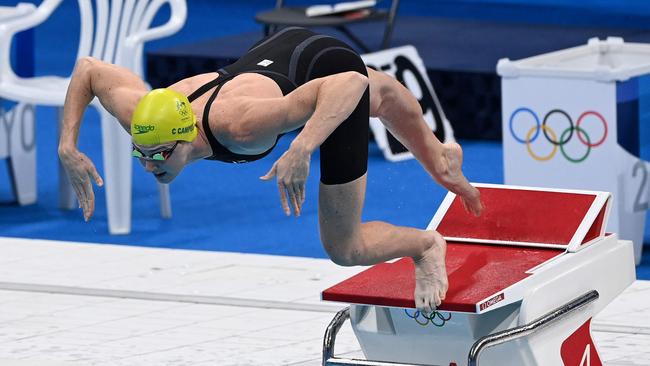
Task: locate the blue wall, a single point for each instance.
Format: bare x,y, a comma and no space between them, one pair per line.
56,43
228,17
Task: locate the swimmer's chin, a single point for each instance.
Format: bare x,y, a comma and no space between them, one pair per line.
164,178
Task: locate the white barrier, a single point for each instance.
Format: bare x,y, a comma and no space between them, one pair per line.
573,119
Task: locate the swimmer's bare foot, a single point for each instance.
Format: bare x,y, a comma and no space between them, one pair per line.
450,175
431,275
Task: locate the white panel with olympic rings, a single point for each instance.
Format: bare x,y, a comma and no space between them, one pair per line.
562,132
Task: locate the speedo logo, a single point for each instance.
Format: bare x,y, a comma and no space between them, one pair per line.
140,129
182,130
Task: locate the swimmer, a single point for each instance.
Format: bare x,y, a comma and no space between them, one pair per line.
294,78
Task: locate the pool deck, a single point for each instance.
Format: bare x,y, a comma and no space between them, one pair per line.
74,304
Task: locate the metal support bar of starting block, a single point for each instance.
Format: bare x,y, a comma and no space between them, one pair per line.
524,330
488,341
330,338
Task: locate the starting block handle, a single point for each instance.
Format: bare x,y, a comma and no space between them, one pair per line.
524,330
330,338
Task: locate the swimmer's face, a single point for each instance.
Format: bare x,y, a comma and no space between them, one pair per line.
164,161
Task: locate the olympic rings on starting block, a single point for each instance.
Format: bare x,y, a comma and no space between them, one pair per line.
552,137
435,317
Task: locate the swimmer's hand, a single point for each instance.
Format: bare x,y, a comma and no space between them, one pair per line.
81,170
291,170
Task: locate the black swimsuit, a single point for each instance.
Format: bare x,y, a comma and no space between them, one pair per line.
292,57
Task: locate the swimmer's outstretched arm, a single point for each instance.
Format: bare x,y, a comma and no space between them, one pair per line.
321,105
118,90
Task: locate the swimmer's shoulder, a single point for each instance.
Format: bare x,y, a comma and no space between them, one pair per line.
188,85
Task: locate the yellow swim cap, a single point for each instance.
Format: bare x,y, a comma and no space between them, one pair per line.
161,116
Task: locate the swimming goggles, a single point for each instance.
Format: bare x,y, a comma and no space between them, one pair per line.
158,156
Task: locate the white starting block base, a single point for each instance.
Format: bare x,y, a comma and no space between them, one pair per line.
504,287
389,334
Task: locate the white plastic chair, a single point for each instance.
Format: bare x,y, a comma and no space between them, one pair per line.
115,32
17,130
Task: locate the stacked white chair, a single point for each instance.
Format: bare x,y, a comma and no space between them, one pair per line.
17,130
114,31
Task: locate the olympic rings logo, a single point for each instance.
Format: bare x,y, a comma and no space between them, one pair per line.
552,137
435,317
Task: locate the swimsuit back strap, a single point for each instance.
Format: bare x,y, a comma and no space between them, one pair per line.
223,76
214,144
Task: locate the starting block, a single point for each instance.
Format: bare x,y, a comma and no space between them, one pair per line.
525,280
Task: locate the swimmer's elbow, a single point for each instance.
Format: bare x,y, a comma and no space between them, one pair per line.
364,79
84,65
90,69
83,74
357,79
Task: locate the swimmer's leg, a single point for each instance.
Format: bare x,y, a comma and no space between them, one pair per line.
401,113
349,242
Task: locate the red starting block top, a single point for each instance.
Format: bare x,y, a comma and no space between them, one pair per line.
526,216
475,272
520,229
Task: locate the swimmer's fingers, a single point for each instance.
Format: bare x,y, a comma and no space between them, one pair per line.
91,205
281,188
89,199
81,172
283,198
302,194
78,182
77,193
88,194
294,193
81,186
291,171
271,173
95,176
